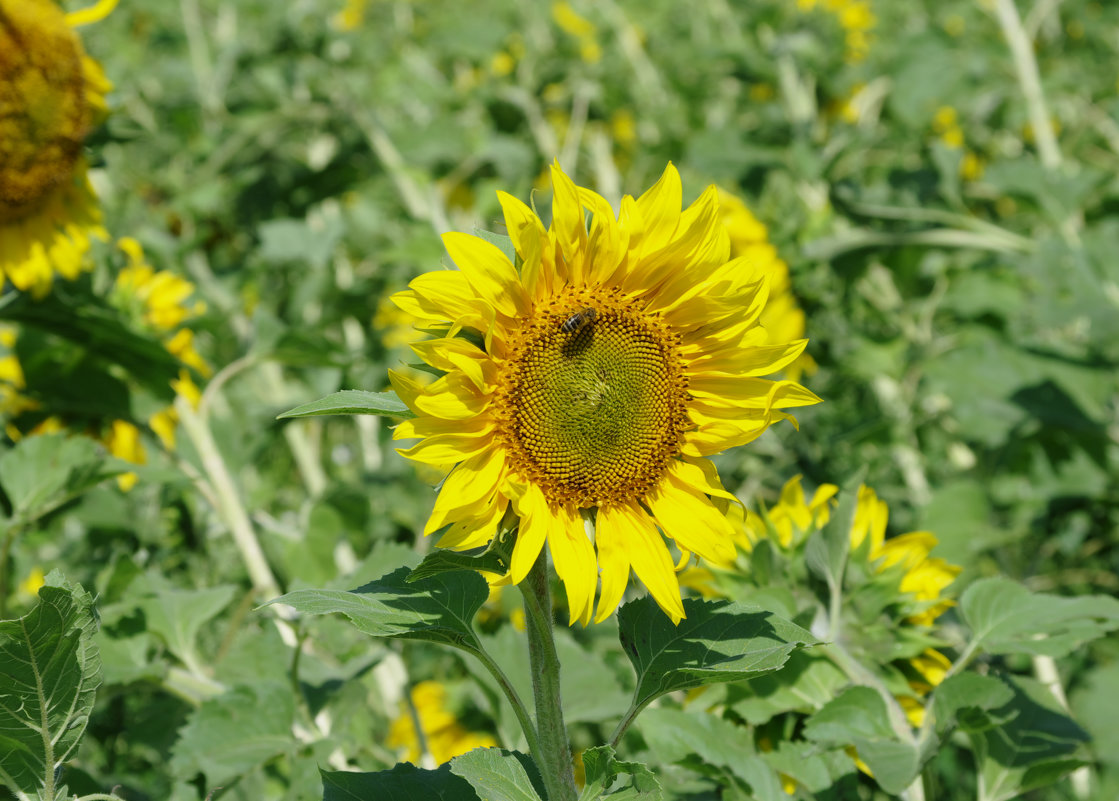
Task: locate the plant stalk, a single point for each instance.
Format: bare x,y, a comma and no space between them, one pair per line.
554,755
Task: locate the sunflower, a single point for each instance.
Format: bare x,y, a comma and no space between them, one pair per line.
584,386
51,95
917,579
444,736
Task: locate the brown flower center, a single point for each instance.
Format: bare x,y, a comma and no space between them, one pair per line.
593,400
44,115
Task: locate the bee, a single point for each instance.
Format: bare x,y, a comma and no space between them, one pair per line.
575,323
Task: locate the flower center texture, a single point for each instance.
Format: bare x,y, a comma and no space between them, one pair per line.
594,401
44,115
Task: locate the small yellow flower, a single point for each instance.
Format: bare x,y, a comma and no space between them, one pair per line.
160,296
351,17
31,585
502,64
123,442
971,167
571,22
623,127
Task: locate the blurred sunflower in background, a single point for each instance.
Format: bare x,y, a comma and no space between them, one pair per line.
585,384
893,593
444,737
51,96
782,316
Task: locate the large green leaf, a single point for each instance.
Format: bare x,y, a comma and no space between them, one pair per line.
859,717
405,782
42,472
352,401
499,775
177,615
1007,618
49,673
88,321
437,609
968,699
1035,745
723,748
718,641
235,732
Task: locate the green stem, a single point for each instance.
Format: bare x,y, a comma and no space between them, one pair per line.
624,723
5,553
515,701
553,758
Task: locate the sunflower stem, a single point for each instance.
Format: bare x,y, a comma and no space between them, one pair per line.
553,758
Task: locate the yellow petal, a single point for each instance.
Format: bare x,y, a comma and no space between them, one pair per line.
627,532
489,272
569,225
536,520
692,520
468,488
574,559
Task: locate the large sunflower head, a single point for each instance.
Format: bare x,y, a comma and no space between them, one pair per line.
586,381
51,95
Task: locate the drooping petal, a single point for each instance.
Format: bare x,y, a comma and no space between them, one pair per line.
536,521
573,556
630,538
692,520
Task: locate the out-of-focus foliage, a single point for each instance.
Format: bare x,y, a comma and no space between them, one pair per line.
294,162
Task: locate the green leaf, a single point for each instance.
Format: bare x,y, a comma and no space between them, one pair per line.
601,769
49,672
806,683
1006,618
676,736
827,549
436,609
42,472
229,735
500,775
859,717
966,699
352,401
493,558
856,712
1037,744
177,615
718,641
405,782
88,321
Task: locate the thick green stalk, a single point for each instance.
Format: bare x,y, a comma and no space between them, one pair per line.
554,755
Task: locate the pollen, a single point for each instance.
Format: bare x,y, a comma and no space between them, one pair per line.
593,413
44,113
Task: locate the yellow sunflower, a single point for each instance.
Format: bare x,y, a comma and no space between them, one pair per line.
584,386
922,579
51,95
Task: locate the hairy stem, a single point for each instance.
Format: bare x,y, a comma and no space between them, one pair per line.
553,758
